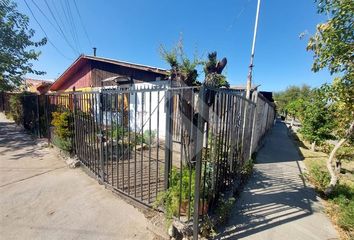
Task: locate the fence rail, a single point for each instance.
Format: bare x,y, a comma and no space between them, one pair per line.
177,147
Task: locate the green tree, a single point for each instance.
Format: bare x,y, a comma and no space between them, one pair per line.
16,46
291,101
317,122
183,69
333,48
296,108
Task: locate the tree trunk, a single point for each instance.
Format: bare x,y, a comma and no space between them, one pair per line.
338,165
330,168
313,146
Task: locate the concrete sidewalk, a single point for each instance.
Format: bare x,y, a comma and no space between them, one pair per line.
276,204
40,198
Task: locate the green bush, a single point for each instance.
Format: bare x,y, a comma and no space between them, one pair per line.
118,131
62,134
345,153
61,122
319,177
247,168
64,144
16,108
223,210
145,137
170,199
343,199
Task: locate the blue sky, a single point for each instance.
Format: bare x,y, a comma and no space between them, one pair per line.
134,30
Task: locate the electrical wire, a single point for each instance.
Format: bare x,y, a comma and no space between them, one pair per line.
53,45
82,23
59,31
64,24
72,22
59,16
69,23
238,15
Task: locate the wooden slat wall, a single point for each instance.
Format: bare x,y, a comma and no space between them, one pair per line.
102,71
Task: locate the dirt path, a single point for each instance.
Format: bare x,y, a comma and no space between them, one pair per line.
276,204
40,198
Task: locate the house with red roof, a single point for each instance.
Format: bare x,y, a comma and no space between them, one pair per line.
90,72
36,85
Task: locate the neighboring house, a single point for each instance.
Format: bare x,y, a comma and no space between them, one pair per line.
91,73
268,96
241,89
36,85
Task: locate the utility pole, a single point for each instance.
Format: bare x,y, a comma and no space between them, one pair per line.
249,78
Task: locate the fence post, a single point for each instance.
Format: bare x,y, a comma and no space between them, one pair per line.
47,110
38,117
75,113
253,121
198,165
168,138
100,135
3,101
244,111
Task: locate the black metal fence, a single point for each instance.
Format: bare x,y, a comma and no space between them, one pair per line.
178,148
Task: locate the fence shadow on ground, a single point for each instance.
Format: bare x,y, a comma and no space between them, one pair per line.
11,140
274,202
272,198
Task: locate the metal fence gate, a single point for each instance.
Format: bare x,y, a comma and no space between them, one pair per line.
120,137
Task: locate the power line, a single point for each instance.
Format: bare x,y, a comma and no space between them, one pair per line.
69,24
55,47
238,15
82,23
59,15
62,21
60,31
71,18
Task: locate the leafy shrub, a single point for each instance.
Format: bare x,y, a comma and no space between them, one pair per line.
170,199
118,131
182,187
61,122
138,138
326,147
223,210
62,133
345,153
16,108
207,228
247,168
346,214
319,177
62,143
343,199
145,137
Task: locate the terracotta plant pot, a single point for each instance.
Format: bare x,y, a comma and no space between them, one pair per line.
185,207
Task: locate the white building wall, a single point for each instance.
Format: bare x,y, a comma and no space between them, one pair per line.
150,108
